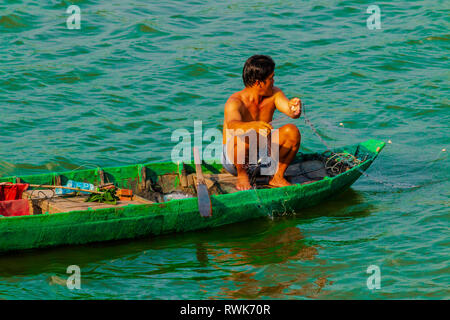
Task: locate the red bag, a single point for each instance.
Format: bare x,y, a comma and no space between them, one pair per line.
11,202
12,191
14,208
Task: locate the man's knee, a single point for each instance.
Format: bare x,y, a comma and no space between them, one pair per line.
290,132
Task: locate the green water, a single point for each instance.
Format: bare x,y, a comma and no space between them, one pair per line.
112,93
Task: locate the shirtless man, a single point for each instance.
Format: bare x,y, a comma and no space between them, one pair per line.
252,109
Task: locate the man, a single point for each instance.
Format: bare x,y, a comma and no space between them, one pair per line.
252,109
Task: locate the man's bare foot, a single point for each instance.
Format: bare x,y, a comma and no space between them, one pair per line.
242,182
279,182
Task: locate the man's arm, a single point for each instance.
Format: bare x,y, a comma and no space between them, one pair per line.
292,108
233,118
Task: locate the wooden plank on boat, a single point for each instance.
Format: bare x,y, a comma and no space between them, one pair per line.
58,180
141,200
101,174
183,176
143,183
221,183
168,183
204,200
42,201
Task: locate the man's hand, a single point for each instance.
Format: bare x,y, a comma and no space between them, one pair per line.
261,127
296,107
292,108
241,128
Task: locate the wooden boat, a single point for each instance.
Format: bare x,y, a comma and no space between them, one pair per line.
68,220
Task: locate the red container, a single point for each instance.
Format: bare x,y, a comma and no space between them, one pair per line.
11,208
11,203
12,191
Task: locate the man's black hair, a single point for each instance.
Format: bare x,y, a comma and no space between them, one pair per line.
257,67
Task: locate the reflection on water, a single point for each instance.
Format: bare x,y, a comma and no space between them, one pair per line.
267,255
275,248
350,203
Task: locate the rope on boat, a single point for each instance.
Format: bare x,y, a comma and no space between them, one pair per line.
342,162
45,197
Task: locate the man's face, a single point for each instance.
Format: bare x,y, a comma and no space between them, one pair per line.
267,85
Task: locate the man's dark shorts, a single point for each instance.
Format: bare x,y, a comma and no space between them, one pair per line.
264,161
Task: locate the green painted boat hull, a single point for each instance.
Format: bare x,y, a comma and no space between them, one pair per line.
134,221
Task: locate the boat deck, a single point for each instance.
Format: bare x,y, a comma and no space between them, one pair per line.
45,201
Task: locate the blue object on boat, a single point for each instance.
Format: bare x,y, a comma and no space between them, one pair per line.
75,184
